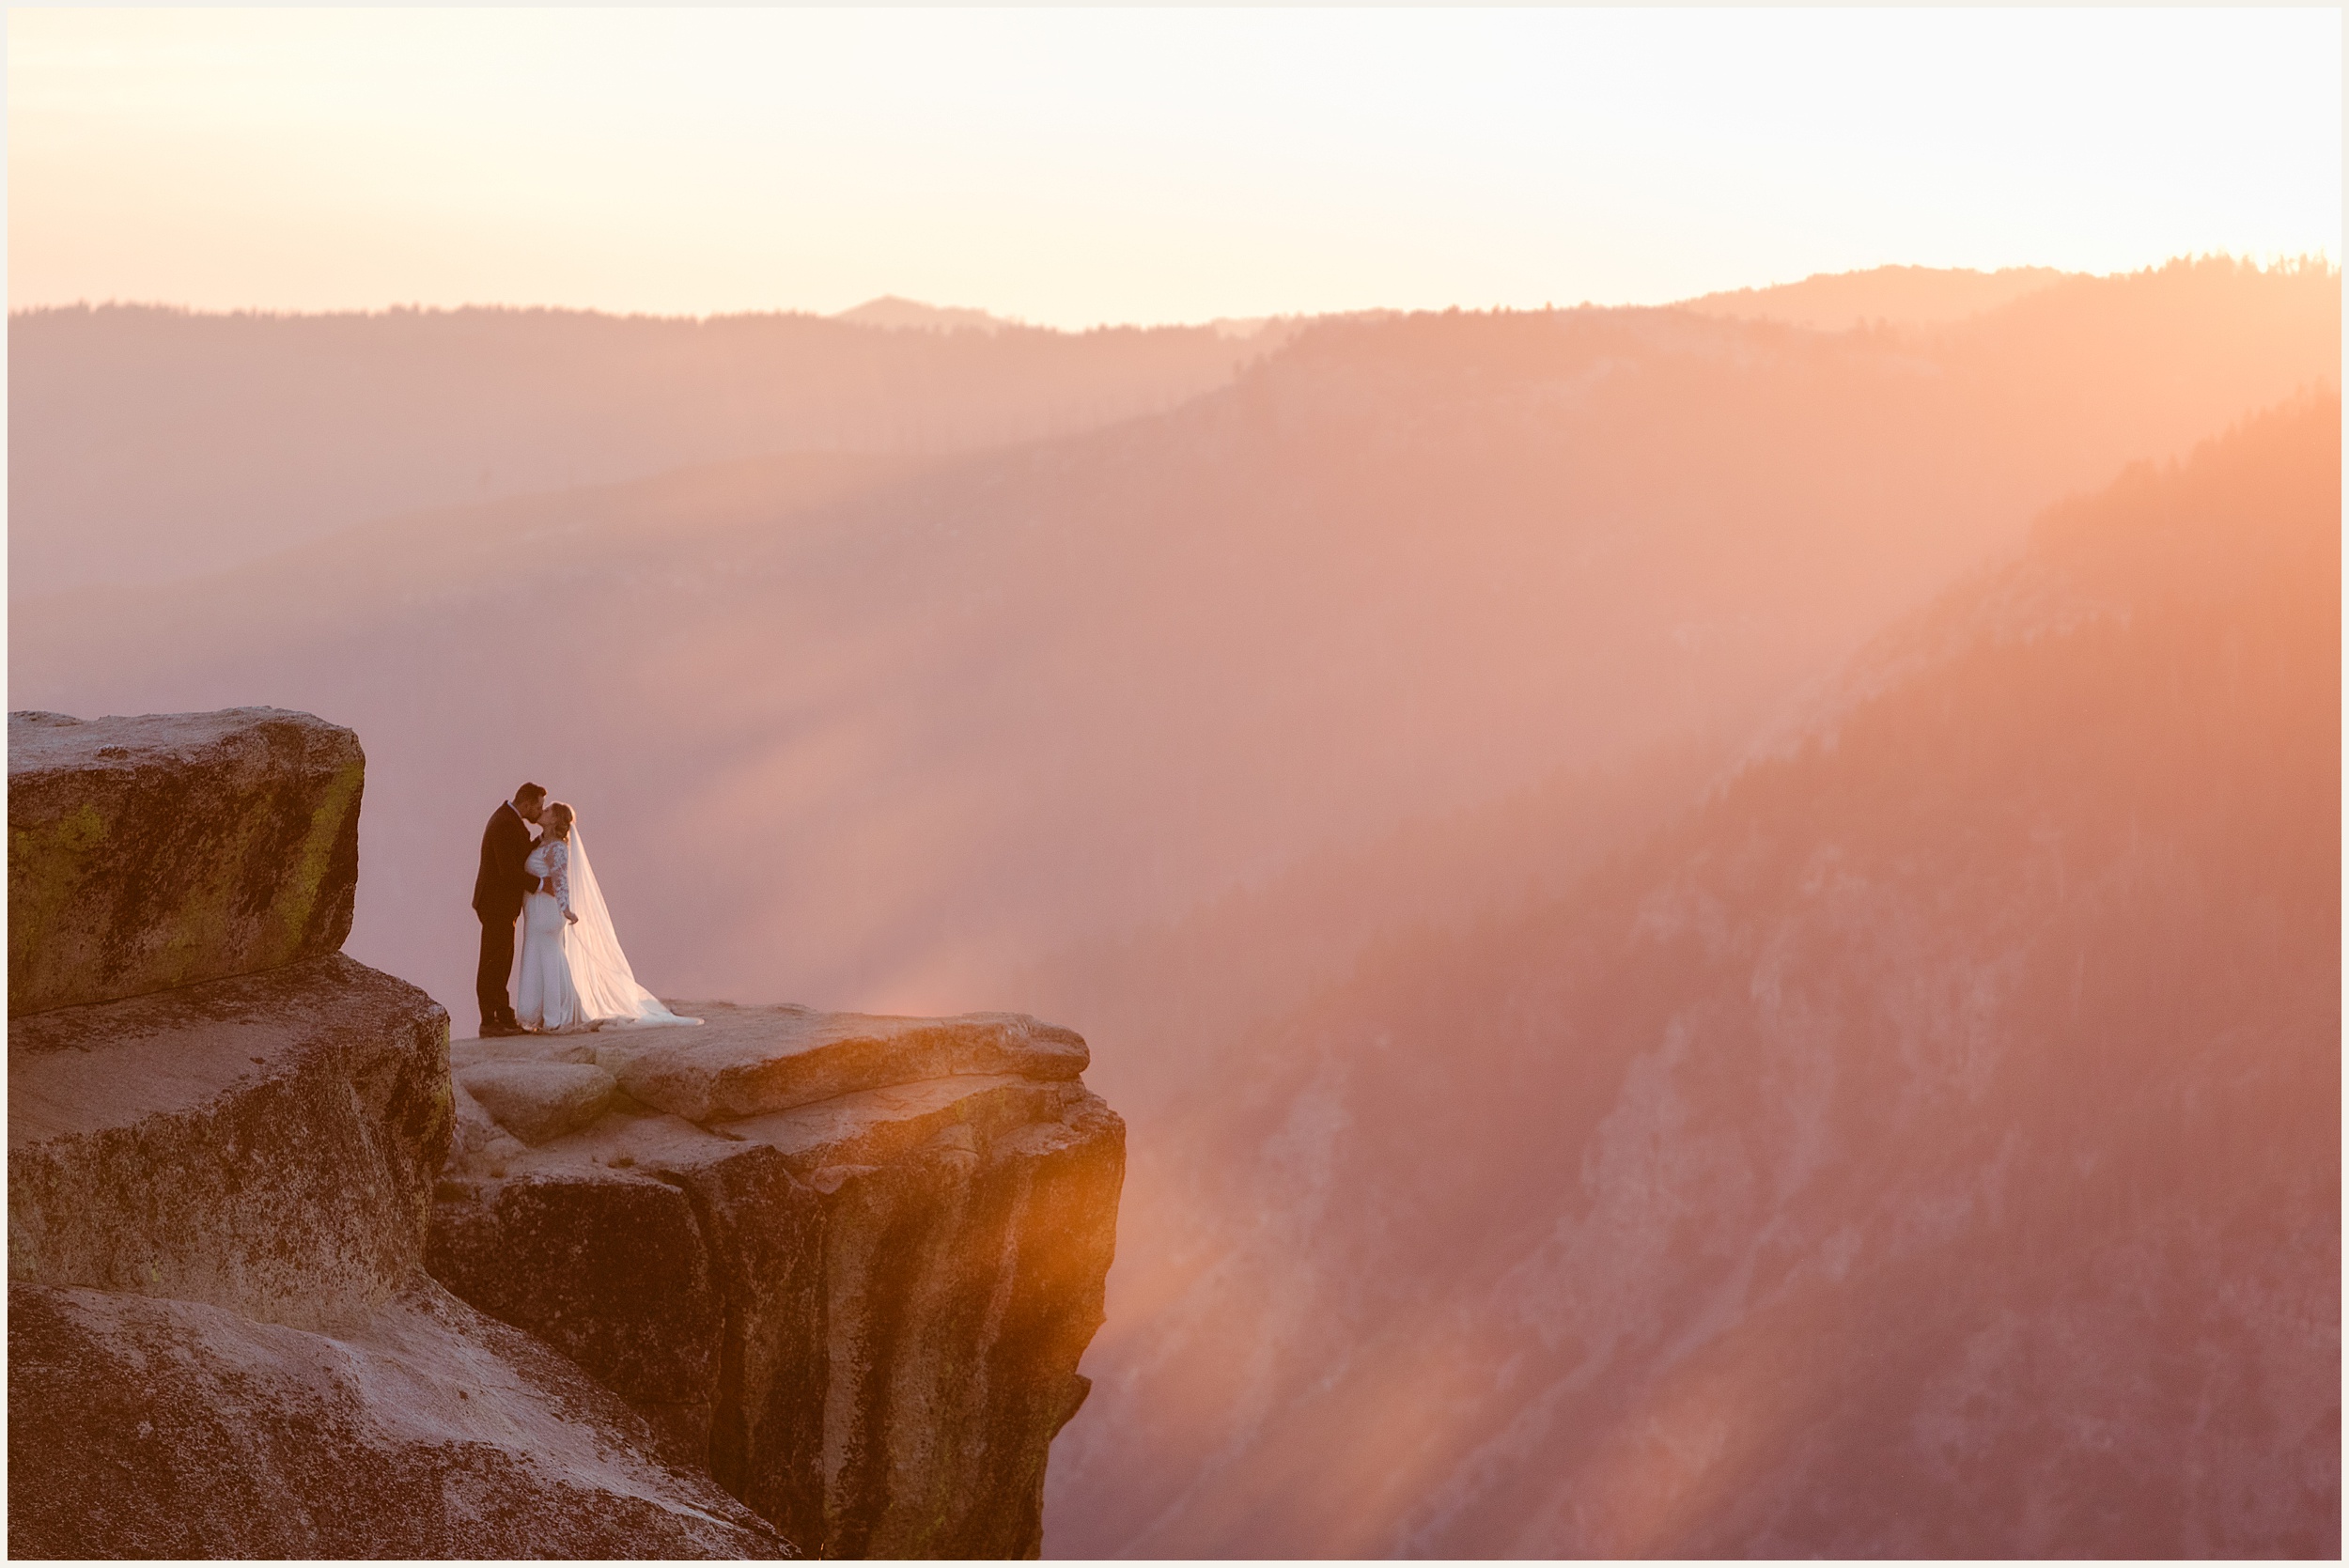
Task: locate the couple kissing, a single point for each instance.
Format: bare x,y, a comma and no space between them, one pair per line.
574,975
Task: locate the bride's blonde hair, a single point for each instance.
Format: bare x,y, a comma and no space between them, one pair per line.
559,818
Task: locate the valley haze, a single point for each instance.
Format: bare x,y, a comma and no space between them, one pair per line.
1716,925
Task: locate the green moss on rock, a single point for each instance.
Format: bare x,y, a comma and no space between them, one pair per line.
46,865
151,852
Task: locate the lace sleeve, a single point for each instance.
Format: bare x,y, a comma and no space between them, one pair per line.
559,858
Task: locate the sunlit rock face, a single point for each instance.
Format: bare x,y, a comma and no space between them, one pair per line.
173,847
849,1263
1929,1145
221,1340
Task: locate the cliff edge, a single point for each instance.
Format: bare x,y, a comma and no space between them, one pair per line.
794,1278
848,1264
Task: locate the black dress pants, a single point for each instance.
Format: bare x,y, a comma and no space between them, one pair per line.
497,967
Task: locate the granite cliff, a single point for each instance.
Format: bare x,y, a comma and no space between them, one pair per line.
280,1286
847,1263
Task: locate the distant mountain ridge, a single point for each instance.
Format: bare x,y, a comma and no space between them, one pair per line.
892,312
1901,296
895,313
149,443
1402,565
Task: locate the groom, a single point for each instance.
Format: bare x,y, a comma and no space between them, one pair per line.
497,898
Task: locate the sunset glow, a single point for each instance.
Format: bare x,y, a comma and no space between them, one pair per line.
1453,783
1072,168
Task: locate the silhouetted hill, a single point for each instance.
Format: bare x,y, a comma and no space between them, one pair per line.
890,311
1905,298
147,444
1928,1146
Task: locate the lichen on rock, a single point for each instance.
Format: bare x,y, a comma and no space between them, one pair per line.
151,852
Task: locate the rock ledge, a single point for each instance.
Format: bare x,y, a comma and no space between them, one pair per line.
847,1262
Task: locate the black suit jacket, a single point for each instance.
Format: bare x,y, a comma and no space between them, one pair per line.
506,843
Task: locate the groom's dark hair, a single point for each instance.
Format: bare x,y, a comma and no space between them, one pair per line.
530,792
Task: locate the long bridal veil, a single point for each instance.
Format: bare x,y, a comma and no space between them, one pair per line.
608,991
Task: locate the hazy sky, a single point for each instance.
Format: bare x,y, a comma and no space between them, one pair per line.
1075,167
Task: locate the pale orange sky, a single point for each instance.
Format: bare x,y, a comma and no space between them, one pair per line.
1077,166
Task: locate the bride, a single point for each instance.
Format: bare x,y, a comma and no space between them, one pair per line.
573,975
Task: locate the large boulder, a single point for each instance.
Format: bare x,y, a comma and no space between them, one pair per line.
266,1144
152,1428
855,1280
162,850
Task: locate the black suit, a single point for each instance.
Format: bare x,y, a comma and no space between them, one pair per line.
497,898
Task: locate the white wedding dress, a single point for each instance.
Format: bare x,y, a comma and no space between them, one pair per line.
574,975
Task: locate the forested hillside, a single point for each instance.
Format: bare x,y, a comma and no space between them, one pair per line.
1929,1146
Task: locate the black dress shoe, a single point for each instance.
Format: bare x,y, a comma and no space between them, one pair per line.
500,1030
